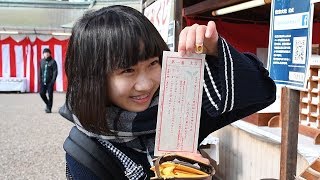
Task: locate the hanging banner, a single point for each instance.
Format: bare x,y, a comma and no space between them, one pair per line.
290,42
159,14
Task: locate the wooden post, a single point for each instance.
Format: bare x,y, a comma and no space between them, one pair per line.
289,134
179,22
142,6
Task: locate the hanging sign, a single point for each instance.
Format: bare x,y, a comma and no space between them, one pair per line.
290,42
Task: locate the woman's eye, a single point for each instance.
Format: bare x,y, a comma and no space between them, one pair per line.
128,71
155,62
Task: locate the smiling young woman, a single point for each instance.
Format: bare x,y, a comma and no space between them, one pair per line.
113,65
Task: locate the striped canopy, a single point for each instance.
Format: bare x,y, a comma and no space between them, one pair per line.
22,60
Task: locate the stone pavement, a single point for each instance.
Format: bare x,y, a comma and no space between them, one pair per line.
31,140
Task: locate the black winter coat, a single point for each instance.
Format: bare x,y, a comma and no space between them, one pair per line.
52,71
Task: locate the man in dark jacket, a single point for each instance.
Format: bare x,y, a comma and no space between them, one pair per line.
48,75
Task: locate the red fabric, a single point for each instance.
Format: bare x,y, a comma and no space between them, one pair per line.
25,50
315,33
244,37
64,49
12,62
248,37
32,71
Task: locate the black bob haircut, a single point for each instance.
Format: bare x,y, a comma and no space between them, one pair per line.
102,41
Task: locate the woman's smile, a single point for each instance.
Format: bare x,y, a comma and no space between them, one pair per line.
141,99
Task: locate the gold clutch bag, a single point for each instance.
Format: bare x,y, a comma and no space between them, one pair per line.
171,166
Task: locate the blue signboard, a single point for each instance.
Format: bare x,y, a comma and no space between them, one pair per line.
289,44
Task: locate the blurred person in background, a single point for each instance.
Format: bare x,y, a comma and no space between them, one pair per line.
48,75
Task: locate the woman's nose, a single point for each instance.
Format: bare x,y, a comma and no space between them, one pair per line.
143,84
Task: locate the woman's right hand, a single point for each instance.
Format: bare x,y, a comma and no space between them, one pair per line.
195,35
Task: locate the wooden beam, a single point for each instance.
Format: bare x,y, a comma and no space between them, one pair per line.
208,5
289,134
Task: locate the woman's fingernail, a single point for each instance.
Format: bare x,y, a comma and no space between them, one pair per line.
208,34
182,53
188,53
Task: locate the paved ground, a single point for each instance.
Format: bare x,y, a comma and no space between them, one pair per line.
31,140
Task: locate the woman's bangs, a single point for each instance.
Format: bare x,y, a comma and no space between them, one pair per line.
131,42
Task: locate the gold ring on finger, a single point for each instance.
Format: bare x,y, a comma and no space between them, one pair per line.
199,48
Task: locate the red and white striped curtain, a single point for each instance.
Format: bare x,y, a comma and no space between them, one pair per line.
22,60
